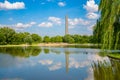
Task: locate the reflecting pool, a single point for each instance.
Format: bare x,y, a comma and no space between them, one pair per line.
57,63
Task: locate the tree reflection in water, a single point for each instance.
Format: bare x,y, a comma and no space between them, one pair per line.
107,70
21,51
46,50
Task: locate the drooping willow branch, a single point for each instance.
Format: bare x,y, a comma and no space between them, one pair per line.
109,24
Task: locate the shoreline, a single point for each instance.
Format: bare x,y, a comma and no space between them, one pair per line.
50,45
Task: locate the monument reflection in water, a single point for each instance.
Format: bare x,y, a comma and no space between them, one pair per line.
60,63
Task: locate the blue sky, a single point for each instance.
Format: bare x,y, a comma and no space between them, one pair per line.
46,17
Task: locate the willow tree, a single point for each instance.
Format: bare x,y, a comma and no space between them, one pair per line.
109,24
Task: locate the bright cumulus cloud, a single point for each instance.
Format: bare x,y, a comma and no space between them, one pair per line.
92,15
77,22
55,20
50,22
7,5
76,64
61,4
92,8
45,24
55,66
46,62
21,25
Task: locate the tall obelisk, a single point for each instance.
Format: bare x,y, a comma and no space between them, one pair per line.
66,25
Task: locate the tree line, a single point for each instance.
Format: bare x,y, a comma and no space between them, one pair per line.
10,36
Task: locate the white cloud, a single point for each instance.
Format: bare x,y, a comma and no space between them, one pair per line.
76,64
77,22
45,24
56,66
50,22
52,66
7,5
32,23
96,58
46,62
92,15
18,25
91,6
21,25
55,20
61,4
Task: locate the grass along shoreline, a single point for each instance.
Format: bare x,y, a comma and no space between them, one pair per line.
49,45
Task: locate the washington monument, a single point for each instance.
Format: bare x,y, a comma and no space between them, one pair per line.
66,25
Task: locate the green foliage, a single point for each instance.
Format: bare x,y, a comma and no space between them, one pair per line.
46,51
46,39
97,33
2,39
77,38
91,39
108,26
6,35
68,39
114,55
57,39
85,39
18,38
28,39
21,51
9,36
36,38
72,39
106,70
